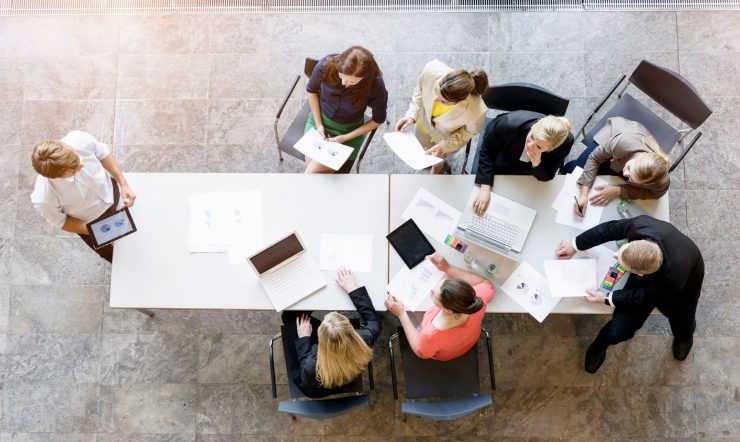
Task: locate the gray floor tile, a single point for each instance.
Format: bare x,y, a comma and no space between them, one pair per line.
170,34
161,121
648,361
36,261
169,76
41,35
127,321
712,212
708,31
172,158
716,314
9,163
711,75
560,72
239,409
10,120
4,307
147,408
80,77
462,32
603,68
712,165
715,371
632,31
717,413
229,70
146,438
529,31
56,309
230,359
52,358
47,437
53,119
11,78
148,358
249,121
48,407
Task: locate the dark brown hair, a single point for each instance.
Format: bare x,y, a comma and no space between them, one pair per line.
459,296
357,62
458,84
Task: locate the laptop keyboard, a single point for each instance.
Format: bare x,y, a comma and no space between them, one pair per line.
287,276
500,231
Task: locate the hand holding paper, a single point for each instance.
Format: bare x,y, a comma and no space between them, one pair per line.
408,148
328,153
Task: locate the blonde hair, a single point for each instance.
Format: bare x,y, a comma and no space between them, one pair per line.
651,167
342,354
552,130
458,84
643,257
53,159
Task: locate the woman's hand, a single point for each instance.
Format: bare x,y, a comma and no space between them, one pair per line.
435,151
321,131
535,155
604,194
394,306
346,279
341,139
403,123
439,262
481,201
303,326
580,207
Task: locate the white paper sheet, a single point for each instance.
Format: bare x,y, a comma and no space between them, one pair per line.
219,220
570,277
328,153
408,148
412,287
434,216
353,251
529,289
564,203
604,259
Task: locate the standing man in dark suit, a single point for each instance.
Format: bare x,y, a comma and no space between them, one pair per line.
666,271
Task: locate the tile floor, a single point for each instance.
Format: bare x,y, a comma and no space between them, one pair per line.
196,93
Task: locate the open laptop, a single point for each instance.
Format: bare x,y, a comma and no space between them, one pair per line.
503,228
286,271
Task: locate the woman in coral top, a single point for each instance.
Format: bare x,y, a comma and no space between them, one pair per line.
453,325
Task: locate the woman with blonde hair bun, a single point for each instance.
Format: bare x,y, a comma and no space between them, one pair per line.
623,148
327,356
446,109
520,143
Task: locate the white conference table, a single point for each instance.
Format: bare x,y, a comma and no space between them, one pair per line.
153,268
540,245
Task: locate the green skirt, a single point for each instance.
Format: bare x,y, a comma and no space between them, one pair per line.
334,129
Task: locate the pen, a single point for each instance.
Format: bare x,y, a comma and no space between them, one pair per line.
577,205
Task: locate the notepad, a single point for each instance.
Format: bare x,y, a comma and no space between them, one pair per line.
570,277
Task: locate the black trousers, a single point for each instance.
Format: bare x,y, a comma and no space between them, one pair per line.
105,252
626,320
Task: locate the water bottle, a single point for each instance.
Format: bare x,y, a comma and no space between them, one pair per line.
623,208
484,269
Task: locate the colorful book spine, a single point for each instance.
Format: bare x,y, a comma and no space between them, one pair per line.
612,276
456,244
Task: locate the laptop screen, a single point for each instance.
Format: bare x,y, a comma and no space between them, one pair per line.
276,253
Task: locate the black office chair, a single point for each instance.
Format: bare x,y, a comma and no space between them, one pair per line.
355,397
454,384
295,130
517,96
667,88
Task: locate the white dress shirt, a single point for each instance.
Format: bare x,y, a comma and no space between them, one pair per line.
84,196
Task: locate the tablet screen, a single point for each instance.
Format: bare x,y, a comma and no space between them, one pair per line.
410,243
109,229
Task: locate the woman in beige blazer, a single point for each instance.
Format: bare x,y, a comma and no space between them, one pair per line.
447,108
623,148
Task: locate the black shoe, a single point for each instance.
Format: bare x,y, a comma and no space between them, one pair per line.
594,359
682,349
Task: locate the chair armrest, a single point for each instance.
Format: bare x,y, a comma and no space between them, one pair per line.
272,364
601,103
685,151
489,346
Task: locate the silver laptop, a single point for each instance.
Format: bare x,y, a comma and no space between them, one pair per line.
503,228
286,271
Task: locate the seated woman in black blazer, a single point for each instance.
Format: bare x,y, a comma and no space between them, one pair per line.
326,362
521,143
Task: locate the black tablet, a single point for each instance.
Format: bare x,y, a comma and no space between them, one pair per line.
106,230
410,243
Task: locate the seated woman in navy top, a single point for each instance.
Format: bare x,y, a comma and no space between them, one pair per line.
341,87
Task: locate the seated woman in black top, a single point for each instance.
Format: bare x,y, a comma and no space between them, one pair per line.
326,363
521,143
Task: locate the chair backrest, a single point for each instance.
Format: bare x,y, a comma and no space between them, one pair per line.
671,91
309,65
525,96
429,378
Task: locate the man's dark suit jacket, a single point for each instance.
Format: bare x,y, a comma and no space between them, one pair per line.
305,376
676,286
502,145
